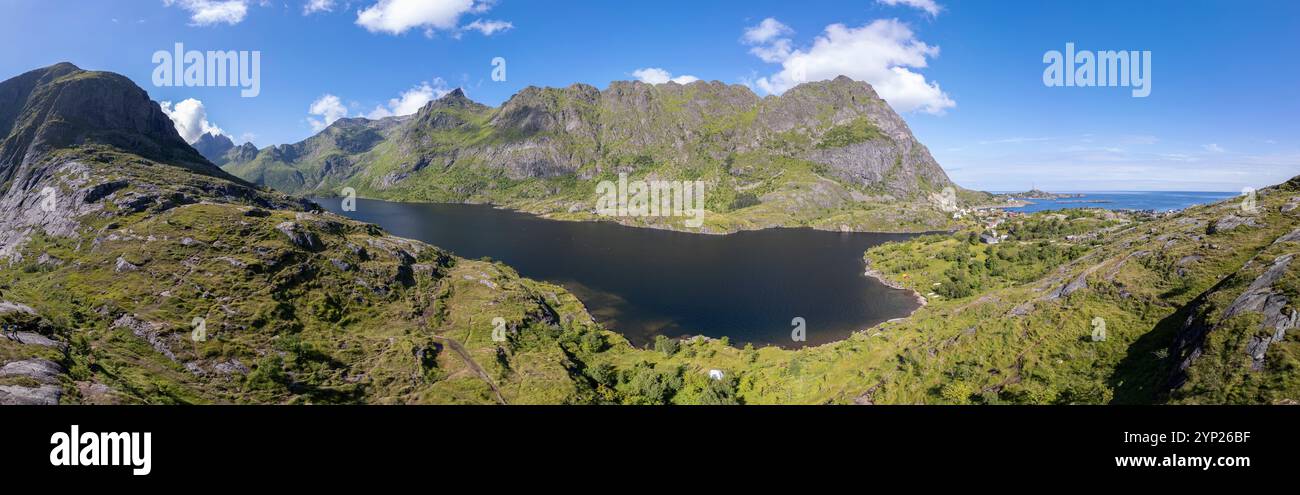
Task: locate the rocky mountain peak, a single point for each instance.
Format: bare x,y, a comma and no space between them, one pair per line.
61,106
454,99
220,149
213,146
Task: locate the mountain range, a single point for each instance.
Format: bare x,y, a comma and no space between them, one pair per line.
135,270
829,154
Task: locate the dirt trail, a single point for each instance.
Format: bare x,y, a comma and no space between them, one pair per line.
464,355
473,365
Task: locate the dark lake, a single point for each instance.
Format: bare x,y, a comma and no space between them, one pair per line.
644,282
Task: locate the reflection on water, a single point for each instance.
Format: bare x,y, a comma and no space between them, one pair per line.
645,282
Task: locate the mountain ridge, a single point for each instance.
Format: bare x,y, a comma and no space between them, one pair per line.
828,154
220,149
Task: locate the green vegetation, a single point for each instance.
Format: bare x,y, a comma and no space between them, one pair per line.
859,131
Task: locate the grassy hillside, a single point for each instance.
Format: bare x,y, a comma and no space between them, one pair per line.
1015,322
305,307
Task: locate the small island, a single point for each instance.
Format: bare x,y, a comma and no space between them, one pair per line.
1040,194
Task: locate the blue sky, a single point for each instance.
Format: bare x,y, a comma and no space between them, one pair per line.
967,76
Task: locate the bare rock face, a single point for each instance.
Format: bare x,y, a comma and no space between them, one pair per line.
1230,222
242,153
8,307
32,338
123,265
300,237
1079,282
1263,297
41,370
43,374
43,395
153,333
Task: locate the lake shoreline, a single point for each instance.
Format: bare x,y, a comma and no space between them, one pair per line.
561,217
684,269
921,301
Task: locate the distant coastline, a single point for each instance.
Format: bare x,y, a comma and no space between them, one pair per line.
1158,201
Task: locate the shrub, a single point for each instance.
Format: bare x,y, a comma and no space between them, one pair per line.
666,345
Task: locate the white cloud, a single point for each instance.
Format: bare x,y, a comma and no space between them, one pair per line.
774,52
655,75
769,34
882,53
766,31
929,6
400,16
1015,140
489,27
411,100
209,12
315,6
190,118
329,108
1140,139
1213,148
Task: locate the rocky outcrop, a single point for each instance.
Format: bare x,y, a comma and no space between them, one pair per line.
298,236
153,333
1265,298
41,370
1230,222
41,395
41,385
1262,296
13,307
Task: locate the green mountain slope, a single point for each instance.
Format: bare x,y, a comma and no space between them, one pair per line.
828,154
150,276
1195,307
132,270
